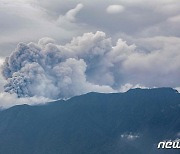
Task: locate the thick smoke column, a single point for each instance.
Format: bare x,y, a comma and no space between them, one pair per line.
54,71
88,63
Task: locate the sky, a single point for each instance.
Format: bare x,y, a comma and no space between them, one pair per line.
59,49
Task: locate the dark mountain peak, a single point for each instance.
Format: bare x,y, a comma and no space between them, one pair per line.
134,90
164,91
96,95
154,90
94,123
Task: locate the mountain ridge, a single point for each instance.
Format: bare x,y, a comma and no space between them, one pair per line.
128,123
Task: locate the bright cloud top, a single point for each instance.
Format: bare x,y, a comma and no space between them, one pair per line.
114,9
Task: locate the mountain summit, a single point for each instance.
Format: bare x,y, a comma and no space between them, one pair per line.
133,122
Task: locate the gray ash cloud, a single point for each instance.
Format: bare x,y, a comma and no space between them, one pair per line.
88,63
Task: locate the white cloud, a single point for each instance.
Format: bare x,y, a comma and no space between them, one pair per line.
175,19
8,100
25,21
30,20
71,14
1,61
2,80
68,21
114,9
129,86
178,89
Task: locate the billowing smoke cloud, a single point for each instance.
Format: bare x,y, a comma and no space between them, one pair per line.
88,63
53,71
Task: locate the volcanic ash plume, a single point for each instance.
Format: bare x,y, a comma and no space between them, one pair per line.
88,63
55,71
